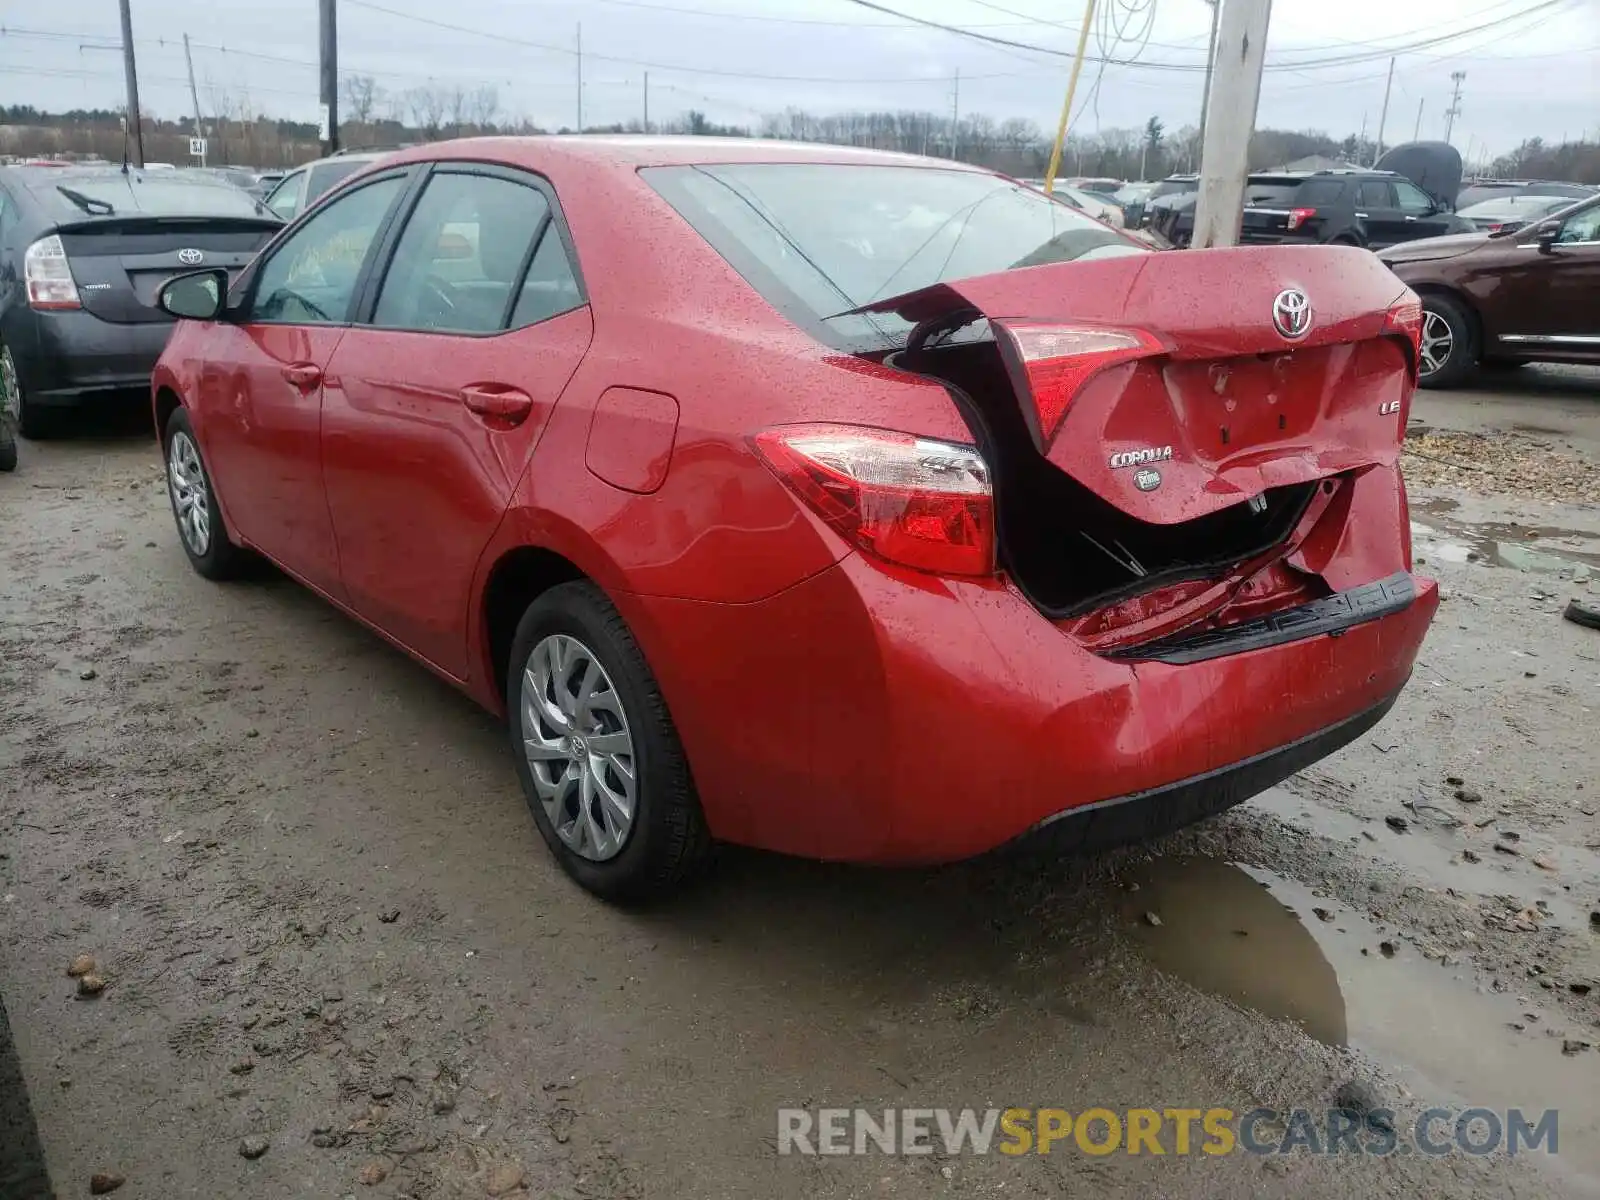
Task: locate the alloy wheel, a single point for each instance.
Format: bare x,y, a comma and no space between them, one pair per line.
1437,342
191,500
580,749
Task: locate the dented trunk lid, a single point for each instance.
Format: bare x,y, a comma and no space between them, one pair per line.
1217,392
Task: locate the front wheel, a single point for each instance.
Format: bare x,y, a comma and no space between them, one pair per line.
596,750
194,506
1449,350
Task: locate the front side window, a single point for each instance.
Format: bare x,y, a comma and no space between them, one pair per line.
1411,199
1582,226
311,278
321,179
820,239
457,262
285,198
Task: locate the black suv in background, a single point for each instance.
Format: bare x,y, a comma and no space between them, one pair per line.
1354,208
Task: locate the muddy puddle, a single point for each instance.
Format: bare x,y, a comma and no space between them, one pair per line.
1267,943
1438,534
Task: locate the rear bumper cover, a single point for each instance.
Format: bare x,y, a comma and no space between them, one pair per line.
67,357
875,715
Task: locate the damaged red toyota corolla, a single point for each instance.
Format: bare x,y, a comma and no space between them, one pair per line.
841,503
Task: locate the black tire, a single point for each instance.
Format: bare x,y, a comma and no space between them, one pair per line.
1582,614
667,841
8,447
32,421
219,558
1461,354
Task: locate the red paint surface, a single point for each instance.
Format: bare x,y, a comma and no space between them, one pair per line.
829,703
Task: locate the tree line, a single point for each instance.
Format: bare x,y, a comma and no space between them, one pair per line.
377,118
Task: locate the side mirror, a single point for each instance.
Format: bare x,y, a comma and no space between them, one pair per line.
197,296
1546,233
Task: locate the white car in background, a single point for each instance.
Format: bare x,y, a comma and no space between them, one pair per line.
1098,207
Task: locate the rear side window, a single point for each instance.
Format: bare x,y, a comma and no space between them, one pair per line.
550,288
1374,193
459,258
1319,191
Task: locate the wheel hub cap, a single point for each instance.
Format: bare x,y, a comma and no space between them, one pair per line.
10,390
579,747
191,501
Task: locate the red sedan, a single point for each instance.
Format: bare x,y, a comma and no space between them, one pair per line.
846,504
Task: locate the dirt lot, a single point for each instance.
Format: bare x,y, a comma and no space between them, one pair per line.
324,919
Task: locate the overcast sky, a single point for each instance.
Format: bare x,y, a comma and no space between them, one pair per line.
1533,70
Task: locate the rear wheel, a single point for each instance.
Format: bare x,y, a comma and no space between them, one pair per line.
28,420
1449,343
10,409
201,528
596,751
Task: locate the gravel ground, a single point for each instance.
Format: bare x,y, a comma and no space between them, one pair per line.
337,960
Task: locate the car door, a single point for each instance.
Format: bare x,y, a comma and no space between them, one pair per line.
435,402
261,390
1552,300
1420,217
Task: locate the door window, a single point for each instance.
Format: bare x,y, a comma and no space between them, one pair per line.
1374,193
311,278
1581,226
1413,201
456,265
285,198
550,288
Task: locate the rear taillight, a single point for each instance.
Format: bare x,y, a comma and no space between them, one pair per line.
1299,216
1405,320
47,275
911,500
1058,360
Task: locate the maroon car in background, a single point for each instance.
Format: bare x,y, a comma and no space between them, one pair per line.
1522,295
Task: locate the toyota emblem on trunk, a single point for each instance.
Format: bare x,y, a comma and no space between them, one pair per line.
193,258
1291,313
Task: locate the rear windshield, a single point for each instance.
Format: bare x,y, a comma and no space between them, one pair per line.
820,239
1172,187
73,197
1263,190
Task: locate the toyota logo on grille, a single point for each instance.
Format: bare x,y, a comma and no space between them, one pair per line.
191,258
1291,313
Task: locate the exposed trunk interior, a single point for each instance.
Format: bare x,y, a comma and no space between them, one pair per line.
1069,550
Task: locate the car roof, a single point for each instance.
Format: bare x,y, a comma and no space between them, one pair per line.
631,151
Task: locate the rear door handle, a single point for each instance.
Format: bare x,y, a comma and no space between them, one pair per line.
304,376
503,403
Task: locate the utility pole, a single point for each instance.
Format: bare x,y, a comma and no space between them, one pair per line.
647,101
1416,130
1211,57
1066,103
1454,110
330,76
1235,93
134,126
955,114
195,97
580,77
1383,113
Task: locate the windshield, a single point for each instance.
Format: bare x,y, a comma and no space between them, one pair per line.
1134,191
1173,187
325,175
818,239
1514,208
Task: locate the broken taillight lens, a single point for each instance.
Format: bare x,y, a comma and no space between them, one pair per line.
915,501
47,275
1058,360
1404,319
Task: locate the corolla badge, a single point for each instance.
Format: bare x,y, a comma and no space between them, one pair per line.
190,257
1138,458
1291,313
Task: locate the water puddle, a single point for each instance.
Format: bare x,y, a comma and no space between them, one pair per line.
1259,940
1547,549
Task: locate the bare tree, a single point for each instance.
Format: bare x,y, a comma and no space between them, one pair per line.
428,106
483,106
456,101
362,95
